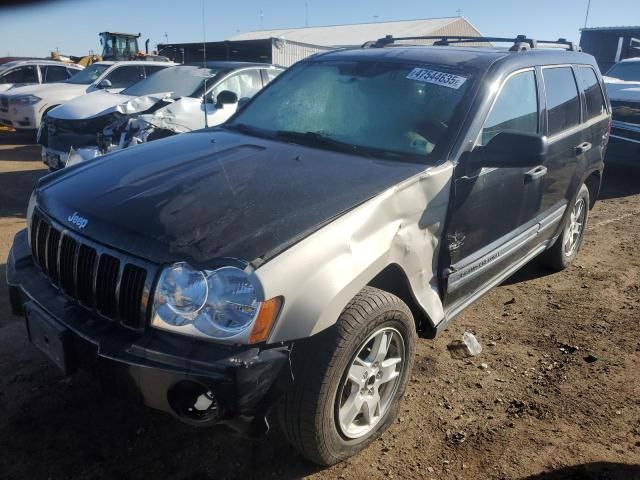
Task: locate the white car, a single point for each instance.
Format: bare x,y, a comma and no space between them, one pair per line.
28,72
623,86
166,104
23,107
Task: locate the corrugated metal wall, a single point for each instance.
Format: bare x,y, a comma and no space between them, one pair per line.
460,27
287,53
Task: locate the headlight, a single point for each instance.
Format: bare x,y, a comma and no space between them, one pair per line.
220,304
25,99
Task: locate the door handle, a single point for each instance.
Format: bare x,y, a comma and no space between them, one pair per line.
583,148
535,173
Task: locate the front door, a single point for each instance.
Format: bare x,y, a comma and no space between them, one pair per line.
494,209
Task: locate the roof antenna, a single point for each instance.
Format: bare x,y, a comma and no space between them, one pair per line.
204,65
586,17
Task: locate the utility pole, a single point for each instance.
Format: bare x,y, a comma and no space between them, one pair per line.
586,17
459,12
375,18
261,20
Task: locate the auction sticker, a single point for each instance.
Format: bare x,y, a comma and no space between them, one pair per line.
437,78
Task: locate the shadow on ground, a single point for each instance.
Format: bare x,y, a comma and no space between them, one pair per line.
17,138
15,189
23,153
619,181
102,437
592,471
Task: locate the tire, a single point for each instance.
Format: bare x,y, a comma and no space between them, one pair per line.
559,256
310,413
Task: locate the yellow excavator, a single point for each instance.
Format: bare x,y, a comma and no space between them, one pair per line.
116,46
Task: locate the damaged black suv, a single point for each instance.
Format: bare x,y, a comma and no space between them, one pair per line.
291,256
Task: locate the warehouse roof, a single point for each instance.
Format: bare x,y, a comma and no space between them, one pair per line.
359,33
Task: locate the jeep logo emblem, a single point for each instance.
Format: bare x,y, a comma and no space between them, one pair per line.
77,220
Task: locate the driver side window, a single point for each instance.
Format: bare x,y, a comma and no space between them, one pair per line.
516,108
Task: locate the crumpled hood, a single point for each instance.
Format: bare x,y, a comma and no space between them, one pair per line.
49,89
87,106
624,91
213,194
102,102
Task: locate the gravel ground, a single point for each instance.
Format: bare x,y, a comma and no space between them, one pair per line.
538,410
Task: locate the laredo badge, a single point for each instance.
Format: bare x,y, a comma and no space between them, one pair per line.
448,80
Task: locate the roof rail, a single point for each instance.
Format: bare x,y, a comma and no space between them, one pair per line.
519,43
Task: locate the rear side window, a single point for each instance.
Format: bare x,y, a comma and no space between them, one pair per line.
515,109
563,104
26,74
54,73
592,92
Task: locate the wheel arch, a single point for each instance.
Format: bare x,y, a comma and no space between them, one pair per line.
392,279
593,181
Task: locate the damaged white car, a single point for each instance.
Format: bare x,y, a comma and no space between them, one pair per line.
176,100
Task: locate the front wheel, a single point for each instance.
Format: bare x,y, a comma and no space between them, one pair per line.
566,247
348,380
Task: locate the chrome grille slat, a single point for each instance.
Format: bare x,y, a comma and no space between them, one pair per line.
100,279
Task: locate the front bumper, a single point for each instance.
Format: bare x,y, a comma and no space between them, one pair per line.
164,370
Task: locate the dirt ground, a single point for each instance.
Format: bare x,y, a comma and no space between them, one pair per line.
540,410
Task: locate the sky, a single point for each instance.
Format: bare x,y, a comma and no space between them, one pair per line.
72,26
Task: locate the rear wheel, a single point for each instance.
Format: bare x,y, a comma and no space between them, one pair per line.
566,247
349,379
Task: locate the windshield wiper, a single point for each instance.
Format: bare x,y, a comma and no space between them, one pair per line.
319,140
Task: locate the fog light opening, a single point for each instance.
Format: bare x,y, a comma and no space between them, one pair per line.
193,402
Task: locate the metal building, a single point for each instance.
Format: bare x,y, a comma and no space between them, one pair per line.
267,50
609,45
354,35
287,46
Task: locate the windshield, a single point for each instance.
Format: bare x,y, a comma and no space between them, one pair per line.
627,71
88,75
369,108
181,81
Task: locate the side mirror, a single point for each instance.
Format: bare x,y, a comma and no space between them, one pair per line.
226,97
105,84
512,149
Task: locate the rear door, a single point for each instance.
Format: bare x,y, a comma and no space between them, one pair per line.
596,115
566,138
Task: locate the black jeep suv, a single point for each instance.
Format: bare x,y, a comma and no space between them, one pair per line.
292,256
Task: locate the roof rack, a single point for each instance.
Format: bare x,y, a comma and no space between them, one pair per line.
520,43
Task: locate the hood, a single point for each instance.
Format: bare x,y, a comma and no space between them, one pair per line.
213,194
102,102
87,106
49,89
621,90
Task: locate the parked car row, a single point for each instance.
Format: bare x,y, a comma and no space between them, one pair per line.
623,85
113,105
176,100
